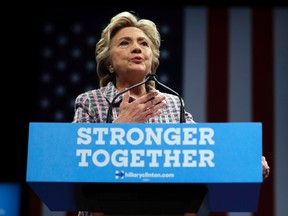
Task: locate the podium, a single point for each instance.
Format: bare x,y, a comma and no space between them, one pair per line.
146,169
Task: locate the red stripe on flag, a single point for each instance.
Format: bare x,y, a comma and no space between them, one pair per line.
262,96
217,67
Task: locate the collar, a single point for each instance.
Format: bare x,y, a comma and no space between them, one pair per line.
110,91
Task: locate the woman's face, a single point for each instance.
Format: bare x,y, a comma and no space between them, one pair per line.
131,54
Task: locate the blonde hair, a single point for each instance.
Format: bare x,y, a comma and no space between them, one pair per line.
119,21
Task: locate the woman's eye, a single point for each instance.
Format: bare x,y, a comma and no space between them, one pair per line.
124,43
144,43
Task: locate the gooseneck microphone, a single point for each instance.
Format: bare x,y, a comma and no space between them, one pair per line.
148,78
111,105
182,110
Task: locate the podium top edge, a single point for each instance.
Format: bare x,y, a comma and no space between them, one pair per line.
145,123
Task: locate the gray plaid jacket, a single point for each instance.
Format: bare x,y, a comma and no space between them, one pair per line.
92,106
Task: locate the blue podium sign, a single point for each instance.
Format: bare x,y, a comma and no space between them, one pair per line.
219,155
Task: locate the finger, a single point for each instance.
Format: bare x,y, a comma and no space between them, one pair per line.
266,173
156,103
160,99
154,110
148,97
126,97
152,114
264,162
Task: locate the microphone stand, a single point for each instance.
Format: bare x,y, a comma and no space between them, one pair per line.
182,110
148,78
109,113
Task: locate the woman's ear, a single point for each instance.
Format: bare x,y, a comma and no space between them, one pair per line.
111,69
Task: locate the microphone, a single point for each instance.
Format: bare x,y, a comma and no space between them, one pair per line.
182,110
148,78
111,105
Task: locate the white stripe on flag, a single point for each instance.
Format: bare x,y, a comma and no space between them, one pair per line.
281,111
240,65
195,70
239,70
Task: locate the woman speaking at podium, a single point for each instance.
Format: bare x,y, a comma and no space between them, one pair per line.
126,54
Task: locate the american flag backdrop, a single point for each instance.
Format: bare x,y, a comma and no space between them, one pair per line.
229,63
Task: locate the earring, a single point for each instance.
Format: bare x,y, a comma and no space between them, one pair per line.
111,69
